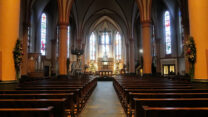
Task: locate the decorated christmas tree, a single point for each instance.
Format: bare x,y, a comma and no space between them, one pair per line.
92,67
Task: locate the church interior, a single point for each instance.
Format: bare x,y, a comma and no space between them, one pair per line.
103,58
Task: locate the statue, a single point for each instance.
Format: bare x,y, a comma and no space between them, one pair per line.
77,65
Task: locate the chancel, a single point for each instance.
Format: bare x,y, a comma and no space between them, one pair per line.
103,58
105,47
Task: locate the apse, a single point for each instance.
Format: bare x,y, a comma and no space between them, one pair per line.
105,47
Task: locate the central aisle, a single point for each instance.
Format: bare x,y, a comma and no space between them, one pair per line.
103,102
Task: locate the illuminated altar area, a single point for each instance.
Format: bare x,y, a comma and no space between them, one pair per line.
105,53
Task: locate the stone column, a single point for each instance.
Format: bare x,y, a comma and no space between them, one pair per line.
158,55
64,8
146,40
53,56
26,27
185,22
62,49
9,33
145,18
83,57
127,57
132,55
198,29
25,49
186,36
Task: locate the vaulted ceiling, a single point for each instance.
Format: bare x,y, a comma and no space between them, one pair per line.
85,13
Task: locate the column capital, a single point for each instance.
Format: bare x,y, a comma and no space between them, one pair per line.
64,8
144,9
63,25
146,23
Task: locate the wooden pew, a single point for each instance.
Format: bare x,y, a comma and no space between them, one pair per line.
68,96
27,112
126,87
59,104
166,90
167,102
39,94
125,95
76,93
85,86
130,100
175,111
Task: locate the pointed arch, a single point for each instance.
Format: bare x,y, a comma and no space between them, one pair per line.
92,44
118,46
167,24
43,34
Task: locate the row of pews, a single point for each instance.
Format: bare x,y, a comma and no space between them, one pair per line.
159,97
56,97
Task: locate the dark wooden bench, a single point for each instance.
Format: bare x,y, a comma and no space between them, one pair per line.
167,90
84,93
68,96
76,97
167,102
130,100
39,94
27,112
60,105
129,87
175,111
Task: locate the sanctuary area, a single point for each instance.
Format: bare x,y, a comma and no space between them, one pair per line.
103,58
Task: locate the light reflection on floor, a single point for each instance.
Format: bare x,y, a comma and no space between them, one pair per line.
103,102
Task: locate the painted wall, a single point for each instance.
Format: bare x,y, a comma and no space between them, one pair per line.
9,33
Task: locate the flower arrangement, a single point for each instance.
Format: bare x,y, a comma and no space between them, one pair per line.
18,55
190,52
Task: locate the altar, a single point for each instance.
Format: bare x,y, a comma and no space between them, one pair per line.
105,66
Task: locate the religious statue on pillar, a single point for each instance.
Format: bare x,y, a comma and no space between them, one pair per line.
76,67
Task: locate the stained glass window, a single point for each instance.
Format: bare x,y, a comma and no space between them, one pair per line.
105,38
29,44
92,46
118,46
168,32
105,42
68,42
43,33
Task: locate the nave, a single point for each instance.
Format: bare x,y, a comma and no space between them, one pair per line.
124,96
103,102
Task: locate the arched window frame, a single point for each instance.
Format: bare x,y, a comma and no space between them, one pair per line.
118,46
43,34
92,44
105,42
167,24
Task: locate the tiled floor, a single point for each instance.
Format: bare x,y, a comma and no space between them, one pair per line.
103,102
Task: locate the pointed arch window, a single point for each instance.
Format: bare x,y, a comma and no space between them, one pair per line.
167,32
43,34
92,46
118,46
105,42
